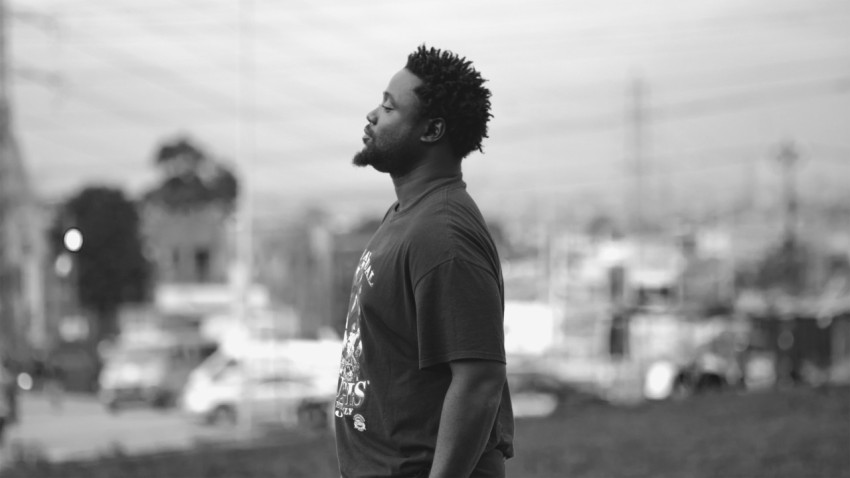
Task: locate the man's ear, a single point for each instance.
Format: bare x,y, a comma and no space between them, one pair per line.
434,130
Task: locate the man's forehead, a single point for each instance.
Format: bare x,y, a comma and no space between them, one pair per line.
401,88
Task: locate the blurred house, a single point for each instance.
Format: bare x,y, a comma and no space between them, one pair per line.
188,246
189,235
198,277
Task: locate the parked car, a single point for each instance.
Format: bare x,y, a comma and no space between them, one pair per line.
149,374
293,384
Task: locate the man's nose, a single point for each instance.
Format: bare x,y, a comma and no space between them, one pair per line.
372,117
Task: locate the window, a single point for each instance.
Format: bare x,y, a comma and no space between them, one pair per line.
202,264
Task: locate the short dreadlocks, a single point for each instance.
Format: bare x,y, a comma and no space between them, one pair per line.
453,90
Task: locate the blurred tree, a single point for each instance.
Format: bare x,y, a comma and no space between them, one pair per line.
797,269
191,178
111,268
787,268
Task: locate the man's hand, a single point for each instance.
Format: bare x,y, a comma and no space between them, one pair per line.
469,411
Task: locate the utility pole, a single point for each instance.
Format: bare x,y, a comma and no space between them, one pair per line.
635,162
245,210
788,159
751,198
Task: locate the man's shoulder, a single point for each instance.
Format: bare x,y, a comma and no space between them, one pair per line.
447,206
444,214
455,230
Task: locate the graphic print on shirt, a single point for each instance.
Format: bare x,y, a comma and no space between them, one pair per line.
353,380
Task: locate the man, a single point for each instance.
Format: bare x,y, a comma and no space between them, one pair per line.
422,388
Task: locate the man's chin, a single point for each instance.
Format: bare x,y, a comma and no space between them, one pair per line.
364,158
360,160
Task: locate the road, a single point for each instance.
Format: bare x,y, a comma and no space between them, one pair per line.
81,428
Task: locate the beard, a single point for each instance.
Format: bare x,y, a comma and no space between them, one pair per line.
385,158
371,155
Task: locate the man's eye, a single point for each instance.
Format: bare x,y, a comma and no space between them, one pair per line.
386,108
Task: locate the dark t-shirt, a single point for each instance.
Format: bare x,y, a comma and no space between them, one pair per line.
428,290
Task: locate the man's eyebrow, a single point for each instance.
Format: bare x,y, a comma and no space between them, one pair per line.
387,95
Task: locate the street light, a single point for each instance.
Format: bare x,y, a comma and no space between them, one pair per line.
73,242
72,327
73,239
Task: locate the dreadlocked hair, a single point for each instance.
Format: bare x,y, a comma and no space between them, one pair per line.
453,90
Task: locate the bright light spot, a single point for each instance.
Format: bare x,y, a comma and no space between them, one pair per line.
73,239
25,381
63,265
659,381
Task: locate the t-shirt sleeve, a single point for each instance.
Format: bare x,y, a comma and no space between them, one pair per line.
459,314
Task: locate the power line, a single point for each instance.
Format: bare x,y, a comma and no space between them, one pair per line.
166,74
303,10
554,126
154,74
266,90
686,109
168,80
621,179
164,78
783,93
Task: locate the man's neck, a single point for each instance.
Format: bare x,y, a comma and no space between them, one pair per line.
423,176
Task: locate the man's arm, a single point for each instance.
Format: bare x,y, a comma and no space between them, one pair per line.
469,411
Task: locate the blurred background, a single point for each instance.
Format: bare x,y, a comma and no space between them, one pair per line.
180,221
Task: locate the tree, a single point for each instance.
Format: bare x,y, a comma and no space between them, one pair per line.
111,268
191,178
796,269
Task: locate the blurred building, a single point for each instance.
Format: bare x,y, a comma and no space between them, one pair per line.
192,252
310,267
191,245
22,249
200,280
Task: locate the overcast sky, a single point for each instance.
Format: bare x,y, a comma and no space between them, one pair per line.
281,89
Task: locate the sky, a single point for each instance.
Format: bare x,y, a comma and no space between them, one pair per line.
280,91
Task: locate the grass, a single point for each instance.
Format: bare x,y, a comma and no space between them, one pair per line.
797,433
793,433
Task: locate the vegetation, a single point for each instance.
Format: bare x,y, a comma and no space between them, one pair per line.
191,178
110,267
796,268
788,433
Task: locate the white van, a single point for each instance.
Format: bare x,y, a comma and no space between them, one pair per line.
290,382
